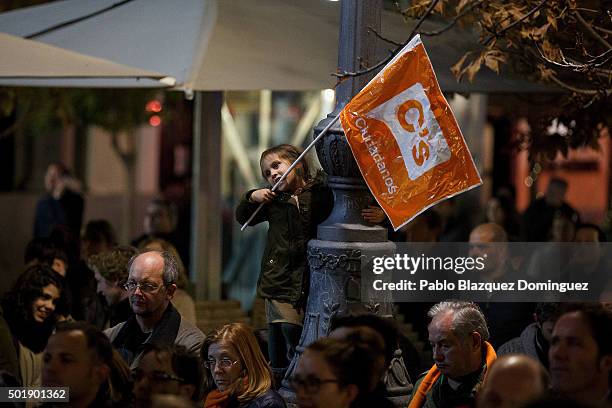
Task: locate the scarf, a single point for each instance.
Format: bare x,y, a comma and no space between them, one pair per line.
216,399
419,396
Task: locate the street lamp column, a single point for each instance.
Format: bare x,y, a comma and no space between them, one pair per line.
344,239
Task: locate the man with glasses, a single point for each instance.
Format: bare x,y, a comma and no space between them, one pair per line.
150,287
167,371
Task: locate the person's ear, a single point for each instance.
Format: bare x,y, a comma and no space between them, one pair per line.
170,289
605,363
476,340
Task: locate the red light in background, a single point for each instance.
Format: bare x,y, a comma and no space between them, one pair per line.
153,106
154,120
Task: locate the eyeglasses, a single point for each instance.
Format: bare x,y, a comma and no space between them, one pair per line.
310,384
145,287
157,376
223,363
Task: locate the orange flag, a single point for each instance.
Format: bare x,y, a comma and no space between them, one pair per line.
405,138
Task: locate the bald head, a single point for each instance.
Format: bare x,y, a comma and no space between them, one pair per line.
489,241
488,232
151,261
513,380
154,260
151,284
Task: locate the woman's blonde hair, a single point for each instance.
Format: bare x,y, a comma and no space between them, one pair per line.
258,372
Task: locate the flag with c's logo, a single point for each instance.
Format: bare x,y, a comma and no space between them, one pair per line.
405,138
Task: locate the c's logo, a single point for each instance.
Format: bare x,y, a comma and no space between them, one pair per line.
411,121
420,152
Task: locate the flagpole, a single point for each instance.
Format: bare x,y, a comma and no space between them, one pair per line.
295,163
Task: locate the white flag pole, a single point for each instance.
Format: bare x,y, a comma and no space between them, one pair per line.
300,157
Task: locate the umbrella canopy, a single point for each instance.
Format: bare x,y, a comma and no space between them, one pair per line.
23,59
157,35
230,44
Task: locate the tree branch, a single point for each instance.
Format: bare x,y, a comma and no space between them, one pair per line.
592,64
383,62
589,28
421,20
555,79
453,21
379,35
586,9
603,30
126,157
526,16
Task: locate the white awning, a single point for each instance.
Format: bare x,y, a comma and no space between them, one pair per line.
32,60
230,44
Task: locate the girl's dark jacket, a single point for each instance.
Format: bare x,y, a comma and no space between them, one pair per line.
284,268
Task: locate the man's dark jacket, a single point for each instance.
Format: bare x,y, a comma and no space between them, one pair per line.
171,329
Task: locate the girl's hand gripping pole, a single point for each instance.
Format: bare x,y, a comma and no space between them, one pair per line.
295,163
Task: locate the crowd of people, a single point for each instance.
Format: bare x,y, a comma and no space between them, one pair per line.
116,324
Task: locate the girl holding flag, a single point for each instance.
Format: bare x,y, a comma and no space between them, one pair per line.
293,211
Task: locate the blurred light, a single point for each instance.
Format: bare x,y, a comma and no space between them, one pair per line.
170,81
557,127
153,106
522,126
328,95
528,181
155,120
537,168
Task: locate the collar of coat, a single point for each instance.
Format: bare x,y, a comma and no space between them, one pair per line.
163,334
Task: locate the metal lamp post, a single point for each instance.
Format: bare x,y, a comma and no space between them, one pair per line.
344,239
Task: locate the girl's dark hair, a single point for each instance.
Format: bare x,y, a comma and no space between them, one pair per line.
29,286
351,361
289,153
17,306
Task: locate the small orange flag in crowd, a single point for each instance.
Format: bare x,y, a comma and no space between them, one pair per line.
405,138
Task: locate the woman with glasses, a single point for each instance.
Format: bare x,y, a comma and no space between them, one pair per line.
239,373
334,374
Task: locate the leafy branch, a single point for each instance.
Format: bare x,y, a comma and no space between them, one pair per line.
564,43
383,62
